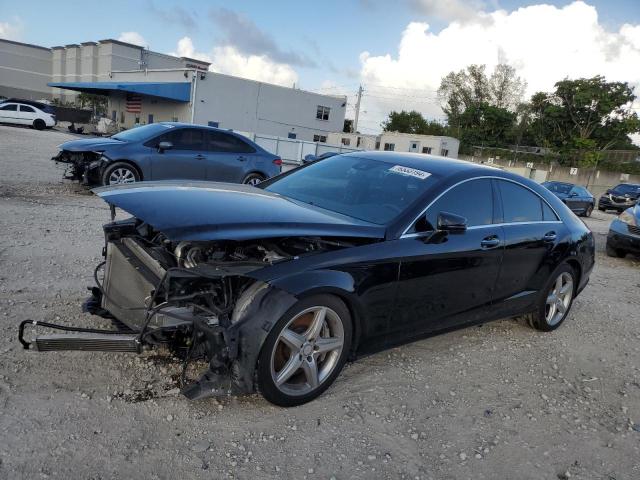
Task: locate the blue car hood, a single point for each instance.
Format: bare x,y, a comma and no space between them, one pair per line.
91,144
201,211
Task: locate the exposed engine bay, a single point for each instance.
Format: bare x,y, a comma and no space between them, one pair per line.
84,167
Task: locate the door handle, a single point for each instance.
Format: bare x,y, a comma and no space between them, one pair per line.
241,158
550,237
490,242
200,157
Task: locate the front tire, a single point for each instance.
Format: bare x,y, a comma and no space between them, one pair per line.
589,211
556,300
119,173
305,351
614,252
39,124
253,179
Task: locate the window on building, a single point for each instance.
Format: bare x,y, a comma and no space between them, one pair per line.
444,152
12,107
150,119
346,141
377,145
389,147
174,119
223,142
213,124
122,117
27,108
320,138
291,135
114,115
322,113
359,141
426,150
414,145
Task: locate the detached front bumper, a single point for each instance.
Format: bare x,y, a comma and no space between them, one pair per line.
623,236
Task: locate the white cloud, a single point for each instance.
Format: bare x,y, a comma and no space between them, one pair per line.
544,43
11,29
227,59
133,37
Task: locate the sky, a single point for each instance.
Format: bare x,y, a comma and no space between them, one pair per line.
397,50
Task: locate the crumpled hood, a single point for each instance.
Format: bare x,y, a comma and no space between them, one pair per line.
96,144
225,211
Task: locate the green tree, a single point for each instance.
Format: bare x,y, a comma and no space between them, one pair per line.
585,116
412,122
97,103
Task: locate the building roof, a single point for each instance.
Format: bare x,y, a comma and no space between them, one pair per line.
23,44
177,91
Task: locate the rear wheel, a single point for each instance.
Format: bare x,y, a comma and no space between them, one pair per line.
589,210
253,179
119,173
39,124
556,301
305,351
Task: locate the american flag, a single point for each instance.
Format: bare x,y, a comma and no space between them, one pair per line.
134,103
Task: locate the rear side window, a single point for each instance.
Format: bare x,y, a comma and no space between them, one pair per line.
10,108
472,200
548,215
26,108
519,204
222,142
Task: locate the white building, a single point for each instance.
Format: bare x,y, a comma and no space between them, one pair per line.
399,142
145,87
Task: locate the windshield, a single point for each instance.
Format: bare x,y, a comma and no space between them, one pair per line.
626,188
361,188
142,133
559,187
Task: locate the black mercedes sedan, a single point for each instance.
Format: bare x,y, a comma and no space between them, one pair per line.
620,197
277,286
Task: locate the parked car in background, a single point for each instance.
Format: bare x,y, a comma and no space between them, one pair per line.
624,233
312,158
577,198
26,112
620,197
168,151
277,286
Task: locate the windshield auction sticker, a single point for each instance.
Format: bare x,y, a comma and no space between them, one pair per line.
412,172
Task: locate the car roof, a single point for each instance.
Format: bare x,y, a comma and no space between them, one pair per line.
433,164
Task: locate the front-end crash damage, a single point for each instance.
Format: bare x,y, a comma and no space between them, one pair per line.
85,167
193,270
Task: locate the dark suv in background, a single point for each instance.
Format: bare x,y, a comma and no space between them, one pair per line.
168,151
620,197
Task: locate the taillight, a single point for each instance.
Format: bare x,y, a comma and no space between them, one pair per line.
277,161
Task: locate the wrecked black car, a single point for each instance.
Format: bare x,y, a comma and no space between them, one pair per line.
278,286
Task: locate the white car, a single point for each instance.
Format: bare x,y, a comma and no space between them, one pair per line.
35,114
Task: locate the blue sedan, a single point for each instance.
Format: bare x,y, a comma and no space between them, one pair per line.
577,198
168,151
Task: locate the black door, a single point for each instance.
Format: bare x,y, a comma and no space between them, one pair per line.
447,279
531,232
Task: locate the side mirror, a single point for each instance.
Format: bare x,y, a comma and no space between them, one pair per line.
450,222
162,146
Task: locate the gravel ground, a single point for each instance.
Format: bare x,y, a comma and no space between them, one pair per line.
497,401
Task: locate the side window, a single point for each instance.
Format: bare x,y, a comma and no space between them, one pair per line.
519,204
12,107
472,200
548,215
222,142
187,139
27,108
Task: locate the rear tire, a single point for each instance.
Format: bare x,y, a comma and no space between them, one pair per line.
305,351
119,173
589,211
615,252
556,299
39,124
253,179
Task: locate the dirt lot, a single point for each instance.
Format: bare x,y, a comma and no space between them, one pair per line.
498,401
